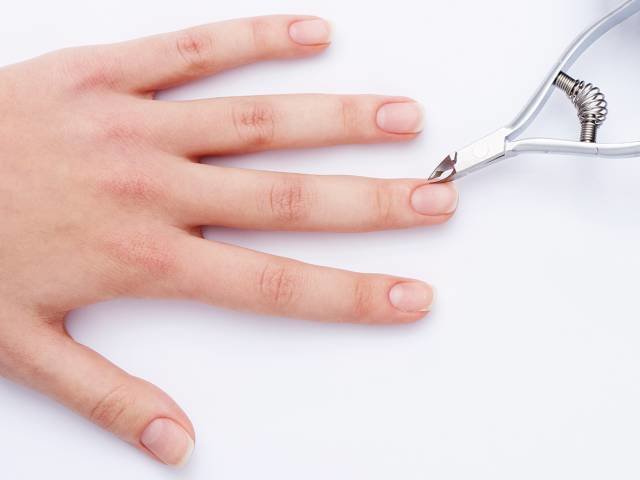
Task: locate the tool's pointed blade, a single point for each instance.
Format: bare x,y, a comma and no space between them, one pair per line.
446,171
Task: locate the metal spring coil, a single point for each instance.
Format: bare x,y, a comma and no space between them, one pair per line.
590,103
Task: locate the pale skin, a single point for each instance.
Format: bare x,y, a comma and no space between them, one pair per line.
102,195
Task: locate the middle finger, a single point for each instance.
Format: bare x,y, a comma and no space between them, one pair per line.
248,124
249,199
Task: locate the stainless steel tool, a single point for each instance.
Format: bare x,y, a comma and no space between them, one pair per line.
589,101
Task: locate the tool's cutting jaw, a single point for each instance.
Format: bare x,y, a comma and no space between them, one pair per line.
472,158
446,171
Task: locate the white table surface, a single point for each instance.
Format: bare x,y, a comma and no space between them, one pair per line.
529,366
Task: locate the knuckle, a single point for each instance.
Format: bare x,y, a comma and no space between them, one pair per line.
350,113
290,200
383,200
119,130
255,124
132,186
279,285
142,255
111,407
195,47
363,304
86,68
260,31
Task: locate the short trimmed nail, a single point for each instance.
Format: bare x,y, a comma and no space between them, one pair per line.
405,117
412,297
434,200
168,441
310,32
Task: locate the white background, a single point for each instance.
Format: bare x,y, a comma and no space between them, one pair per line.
529,366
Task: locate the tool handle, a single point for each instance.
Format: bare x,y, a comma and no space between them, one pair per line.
575,50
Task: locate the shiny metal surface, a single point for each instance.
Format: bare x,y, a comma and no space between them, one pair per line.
503,144
478,155
590,103
568,147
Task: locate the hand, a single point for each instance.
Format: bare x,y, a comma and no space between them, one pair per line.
102,196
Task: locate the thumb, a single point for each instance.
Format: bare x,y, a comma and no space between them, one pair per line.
133,409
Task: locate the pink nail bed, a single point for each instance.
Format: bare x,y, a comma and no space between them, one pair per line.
435,200
310,32
168,441
412,297
404,117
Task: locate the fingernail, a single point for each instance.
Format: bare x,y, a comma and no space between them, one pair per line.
412,297
168,441
405,117
434,200
310,32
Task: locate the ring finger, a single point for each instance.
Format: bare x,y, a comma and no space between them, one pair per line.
237,278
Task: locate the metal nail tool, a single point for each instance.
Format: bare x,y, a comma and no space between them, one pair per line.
589,101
